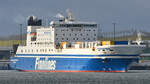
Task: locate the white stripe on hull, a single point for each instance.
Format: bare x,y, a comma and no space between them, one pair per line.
83,57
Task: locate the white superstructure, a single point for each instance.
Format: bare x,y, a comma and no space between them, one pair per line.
68,36
62,31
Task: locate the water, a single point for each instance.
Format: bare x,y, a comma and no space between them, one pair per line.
131,77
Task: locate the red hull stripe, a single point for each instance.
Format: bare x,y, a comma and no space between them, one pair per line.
65,71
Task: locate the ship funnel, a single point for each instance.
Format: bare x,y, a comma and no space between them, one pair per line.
34,21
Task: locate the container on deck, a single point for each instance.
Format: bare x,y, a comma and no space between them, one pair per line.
121,42
107,43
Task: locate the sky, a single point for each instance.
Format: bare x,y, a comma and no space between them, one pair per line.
127,14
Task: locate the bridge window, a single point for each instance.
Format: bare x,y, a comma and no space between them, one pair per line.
74,25
45,50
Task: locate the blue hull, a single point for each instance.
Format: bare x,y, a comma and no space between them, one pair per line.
47,64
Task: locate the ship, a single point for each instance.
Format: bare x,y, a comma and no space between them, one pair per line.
69,45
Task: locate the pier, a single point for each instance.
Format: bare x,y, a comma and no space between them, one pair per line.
5,57
5,48
5,52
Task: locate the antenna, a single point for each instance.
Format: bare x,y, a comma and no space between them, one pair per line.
69,15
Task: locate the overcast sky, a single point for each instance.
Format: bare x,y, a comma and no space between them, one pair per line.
128,14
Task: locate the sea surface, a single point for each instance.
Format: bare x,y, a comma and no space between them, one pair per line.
130,77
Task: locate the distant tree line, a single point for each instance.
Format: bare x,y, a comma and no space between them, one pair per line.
13,37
